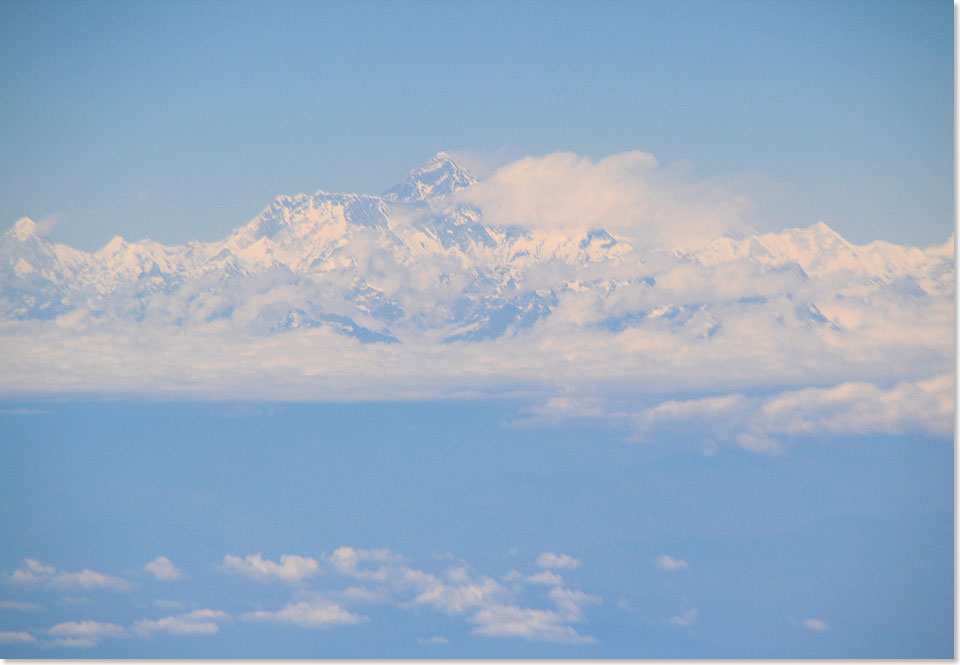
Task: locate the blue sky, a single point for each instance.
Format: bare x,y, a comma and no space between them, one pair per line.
607,401
180,121
852,532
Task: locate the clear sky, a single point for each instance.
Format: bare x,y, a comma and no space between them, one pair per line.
181,120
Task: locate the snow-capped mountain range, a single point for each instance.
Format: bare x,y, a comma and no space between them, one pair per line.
419,261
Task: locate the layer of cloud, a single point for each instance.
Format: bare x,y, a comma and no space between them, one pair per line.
36,573
852,408
163,569
292,568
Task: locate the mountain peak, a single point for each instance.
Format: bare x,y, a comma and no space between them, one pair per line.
23,229
440,176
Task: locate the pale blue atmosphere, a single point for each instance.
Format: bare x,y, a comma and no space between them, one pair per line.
477,330
178,121
858,533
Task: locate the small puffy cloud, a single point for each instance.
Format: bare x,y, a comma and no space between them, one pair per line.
551,560
817,625
347,560
685,619
17,606
36,573
317,613
162,569
436,640
292,568
456,598
669,563
168,604
86,628
16,637
197,622
531,624
84,634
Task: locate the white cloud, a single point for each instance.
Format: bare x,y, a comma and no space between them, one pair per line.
685,619
455,598
669,563
84,634
292,568
36,573
197,622
163,569
16,637
624,193
551,560
531,624
317,613
456,589
817,625
863,408
86,628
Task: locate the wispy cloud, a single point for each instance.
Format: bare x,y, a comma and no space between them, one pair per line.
84,634
317,613
197,622
435,640
669,563
36,573
16,637
816,625
685,619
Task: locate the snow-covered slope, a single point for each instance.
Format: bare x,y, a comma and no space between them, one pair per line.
417,264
